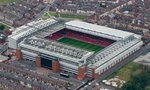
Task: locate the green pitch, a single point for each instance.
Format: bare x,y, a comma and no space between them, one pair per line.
80,44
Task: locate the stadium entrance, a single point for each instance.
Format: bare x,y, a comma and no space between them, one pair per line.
46,62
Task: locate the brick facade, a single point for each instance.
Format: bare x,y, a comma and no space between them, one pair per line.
38,61
55,66
18,54
81,73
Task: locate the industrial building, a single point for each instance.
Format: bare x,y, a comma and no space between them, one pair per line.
77,47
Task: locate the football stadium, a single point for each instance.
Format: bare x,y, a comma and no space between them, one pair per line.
80,40
81,48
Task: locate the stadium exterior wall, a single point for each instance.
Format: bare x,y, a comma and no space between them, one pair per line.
12,43
101,69
79,71
64,66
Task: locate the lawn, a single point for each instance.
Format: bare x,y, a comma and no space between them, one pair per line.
2,2
80,44
81,17
127,71
64,15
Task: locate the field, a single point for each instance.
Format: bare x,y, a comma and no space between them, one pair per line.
80,44
63,15
2,2
127,71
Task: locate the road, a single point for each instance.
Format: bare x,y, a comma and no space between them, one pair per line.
117,67
39,15
72,80
118,7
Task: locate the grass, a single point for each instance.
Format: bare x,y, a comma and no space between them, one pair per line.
64,15
3,2
6,27
81,17
147,88
127,71
80,44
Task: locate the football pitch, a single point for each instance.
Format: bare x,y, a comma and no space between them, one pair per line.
81,44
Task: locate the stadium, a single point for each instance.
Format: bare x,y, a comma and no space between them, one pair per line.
77,47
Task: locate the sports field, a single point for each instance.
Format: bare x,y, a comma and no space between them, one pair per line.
80,44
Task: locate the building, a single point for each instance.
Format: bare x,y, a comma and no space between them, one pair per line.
77,47
24,31
48,1
3,47
3,59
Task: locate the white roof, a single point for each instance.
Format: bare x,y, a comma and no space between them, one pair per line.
51,48
3,58
21,34
99,29
30,28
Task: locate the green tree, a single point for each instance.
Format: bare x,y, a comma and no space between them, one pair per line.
2,27
140,81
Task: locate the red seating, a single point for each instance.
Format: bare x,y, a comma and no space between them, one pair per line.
87,38
55,36
81,36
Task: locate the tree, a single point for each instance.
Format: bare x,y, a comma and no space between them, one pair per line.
2,27
140,81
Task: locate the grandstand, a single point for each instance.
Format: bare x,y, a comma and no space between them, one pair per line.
24,31
80,40
77,47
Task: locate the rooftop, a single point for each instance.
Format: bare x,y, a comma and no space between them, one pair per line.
57,49
3,58
100,29
31,28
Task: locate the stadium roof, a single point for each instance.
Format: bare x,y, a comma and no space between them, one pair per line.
31,28
100,29
57,49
